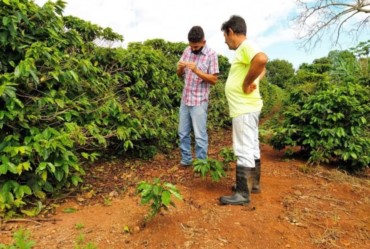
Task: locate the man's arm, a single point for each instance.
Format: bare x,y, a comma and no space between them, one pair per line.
257,68
210,78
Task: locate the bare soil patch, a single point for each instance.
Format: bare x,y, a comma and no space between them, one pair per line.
299,207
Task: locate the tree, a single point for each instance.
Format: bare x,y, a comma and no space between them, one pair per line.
318,66
362,52
320,18
345,66
279,72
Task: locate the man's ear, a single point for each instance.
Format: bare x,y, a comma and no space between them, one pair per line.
231,32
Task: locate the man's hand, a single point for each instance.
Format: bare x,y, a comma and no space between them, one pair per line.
181,65
249,89
210,78
192,66
180,68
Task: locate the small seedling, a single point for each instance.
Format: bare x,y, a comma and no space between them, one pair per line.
126,229
158,194
21,240
80,243
107,201
209,167
79,226
228,156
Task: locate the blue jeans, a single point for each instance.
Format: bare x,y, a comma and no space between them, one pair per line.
245,139
193,118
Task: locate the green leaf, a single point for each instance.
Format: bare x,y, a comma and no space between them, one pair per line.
74,75
44,175
59,175
166,197
128,144
169,185
55,75
40,194
34,76
85,155
60,102
25,166
69,210
48,187
68,116
51,167
33,211
3,169
76,180
42,166
156,190
363,120
12,168
146,189
21,150
26,189
146,198
176,194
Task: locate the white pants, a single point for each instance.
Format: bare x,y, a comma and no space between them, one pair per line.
245,139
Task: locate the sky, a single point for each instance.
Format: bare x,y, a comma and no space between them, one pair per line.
268,23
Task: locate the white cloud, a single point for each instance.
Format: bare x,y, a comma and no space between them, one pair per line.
139,20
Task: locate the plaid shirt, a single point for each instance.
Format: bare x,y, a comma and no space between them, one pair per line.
197,90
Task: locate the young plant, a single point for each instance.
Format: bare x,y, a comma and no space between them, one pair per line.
79,226
209,167
21,241
228,156
158,194
81,243
107,201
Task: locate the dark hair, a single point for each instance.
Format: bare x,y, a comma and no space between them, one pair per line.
196,34
236,24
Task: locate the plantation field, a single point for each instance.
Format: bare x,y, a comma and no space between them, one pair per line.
299,207
83,122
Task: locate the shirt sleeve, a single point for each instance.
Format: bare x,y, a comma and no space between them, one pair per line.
249,51
213,64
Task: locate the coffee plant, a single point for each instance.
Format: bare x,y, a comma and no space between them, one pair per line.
228,156
209,166
329,120
158,194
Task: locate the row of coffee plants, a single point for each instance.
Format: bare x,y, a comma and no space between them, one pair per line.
66,101
328,115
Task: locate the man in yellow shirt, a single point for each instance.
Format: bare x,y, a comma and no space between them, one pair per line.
245,104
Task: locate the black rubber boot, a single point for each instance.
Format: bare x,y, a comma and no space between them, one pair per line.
241,196
256,178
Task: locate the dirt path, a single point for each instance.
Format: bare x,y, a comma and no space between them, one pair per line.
299,207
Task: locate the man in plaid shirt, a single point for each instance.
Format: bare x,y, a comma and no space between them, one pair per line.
198,66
